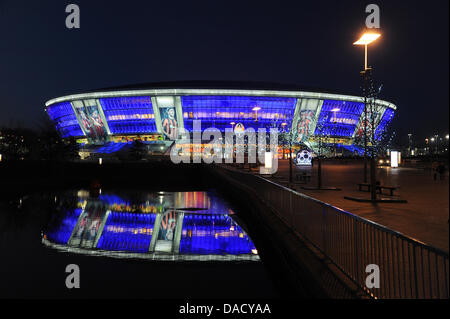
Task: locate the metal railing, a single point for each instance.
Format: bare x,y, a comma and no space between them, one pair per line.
408,268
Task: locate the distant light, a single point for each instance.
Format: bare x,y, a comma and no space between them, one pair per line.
446,136
100,161
432,139
268,157
256,108
367,38
232,123
394,158
335,110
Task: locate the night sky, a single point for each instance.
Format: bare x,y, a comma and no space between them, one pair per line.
308,43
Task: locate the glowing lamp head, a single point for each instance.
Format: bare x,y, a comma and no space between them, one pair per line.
335,110
256,108
232,123
367,38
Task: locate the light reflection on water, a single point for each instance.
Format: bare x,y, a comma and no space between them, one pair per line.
159,226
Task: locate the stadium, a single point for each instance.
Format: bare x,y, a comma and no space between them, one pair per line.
107,121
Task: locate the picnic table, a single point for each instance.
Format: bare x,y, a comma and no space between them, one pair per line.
379,188
303,178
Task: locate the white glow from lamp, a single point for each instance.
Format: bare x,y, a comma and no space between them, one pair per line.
394,159
367,38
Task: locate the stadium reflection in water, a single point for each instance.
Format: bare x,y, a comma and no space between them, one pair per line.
198,226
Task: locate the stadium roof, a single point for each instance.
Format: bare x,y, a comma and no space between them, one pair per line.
216,88
226,85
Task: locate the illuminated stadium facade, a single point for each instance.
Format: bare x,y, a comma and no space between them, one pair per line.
170,226
109,119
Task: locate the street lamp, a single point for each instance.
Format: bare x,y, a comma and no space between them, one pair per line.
334,111
410,143
334,122
437,143
256,109
232,125
366,39
284,131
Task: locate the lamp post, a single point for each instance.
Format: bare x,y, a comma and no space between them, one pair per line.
436,138
232,126
283,125
256,109
366,39
334,122
410,142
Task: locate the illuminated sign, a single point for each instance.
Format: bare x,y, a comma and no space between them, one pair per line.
239,128
303,158
395,158
343,120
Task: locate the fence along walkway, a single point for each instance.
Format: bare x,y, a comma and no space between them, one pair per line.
408,268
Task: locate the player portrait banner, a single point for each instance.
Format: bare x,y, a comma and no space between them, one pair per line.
91,119
303,129
86,231
305,118
169,123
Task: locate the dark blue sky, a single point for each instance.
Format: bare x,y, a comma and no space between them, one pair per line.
308,43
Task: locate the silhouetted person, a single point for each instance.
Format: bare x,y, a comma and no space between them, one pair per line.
441,171
434,167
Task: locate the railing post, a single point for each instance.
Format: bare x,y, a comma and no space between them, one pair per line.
324,229
356,250
415,272
292,211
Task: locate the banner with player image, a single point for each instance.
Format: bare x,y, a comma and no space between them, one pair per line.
304,125
86,230
169,122
91,120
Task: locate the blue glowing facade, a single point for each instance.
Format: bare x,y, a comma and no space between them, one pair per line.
113,223
251,111
159,114
339,118
129,115
127,232
63,115
60,230
385,121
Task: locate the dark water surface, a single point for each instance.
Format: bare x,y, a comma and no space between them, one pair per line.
128,244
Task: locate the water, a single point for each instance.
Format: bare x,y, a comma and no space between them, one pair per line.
158,226
133,244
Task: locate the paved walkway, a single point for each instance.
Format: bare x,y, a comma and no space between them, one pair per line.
425,216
